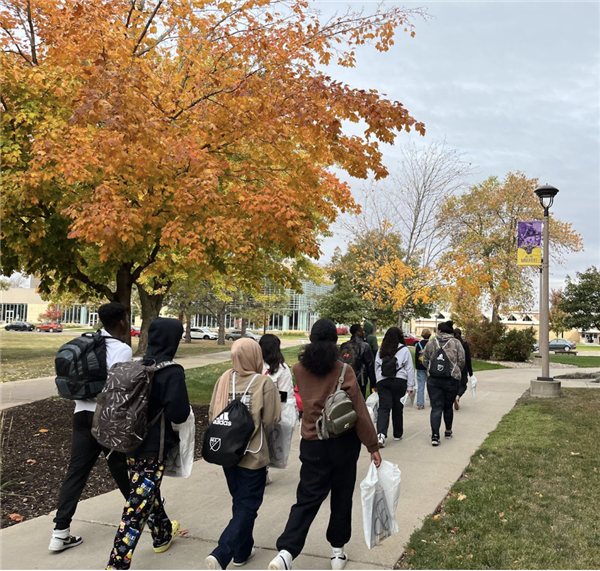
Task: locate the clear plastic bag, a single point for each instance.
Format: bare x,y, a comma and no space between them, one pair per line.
373,406
279,436
473,385
180,459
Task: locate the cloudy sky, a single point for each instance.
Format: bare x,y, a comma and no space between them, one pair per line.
514,86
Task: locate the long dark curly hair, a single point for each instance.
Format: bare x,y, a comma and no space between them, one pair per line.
270,346
321,354
392,340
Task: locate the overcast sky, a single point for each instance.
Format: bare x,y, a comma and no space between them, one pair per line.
513,85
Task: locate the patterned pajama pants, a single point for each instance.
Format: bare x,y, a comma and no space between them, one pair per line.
144,505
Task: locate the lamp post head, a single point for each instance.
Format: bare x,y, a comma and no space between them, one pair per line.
546,195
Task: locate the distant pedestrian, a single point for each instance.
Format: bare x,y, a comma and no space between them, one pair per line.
444,359
85,449
370,337
395,377
362,357
247,480
328,466
168,394
420,368
467,370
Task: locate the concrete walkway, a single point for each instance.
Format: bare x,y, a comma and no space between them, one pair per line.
202,503
16,393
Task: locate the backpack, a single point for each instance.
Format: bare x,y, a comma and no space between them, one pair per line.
80,366
121,417
389,366
439,364
227,437
339,415
349,354
420,352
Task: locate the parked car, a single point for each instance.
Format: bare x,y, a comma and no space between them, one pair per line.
19,326
558,345
342,331
411,340
202,333
50,327
135,331
236,334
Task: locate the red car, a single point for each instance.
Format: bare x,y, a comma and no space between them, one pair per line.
411,340
135,331
342,331
50,327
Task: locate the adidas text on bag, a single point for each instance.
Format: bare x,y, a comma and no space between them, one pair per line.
80,366
121,419
339,415
227,437
440,365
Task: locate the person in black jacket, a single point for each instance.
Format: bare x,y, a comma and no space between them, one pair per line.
364,364
467,370
146,466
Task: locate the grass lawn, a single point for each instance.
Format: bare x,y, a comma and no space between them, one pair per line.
31,355
579,360
201,380
529,497
582,347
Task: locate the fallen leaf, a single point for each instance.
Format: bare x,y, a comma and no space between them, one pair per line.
501,514
575,454
470,557
31,461
43,430
504,520
16,517
459,556
461,497
423,541
410,552
437,517
184,531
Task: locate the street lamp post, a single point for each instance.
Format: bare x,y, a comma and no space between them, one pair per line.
546,196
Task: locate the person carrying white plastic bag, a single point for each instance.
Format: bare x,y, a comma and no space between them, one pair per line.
473,385
373,405
279,436
379,493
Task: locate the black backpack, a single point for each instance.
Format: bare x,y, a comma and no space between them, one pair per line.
349,354
439,364
227,437
389,366
81,366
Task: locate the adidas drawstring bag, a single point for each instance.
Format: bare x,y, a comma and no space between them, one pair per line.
228,435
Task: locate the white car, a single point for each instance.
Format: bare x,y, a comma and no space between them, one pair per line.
202,333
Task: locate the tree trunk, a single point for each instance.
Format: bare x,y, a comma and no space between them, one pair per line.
221,322
187,319
400,318
151,306
244,325
123,293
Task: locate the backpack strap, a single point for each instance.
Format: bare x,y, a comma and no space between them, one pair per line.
342,376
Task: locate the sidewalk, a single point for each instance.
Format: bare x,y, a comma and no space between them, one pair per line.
16,393
202,503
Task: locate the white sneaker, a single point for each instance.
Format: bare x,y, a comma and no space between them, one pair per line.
381,440
241,563
338,558
212,562
62,539
282,561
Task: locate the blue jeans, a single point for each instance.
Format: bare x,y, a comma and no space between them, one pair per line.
247,488
421,380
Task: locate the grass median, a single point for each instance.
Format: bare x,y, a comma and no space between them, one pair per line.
529,497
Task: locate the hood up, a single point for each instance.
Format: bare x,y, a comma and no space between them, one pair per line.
247,357
368,328
164,336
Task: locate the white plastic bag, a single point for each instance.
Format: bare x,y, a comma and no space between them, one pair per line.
373,406
408,398
379,493
473,385
180,459
279,436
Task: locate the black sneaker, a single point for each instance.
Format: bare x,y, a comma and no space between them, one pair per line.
448,434
435,440
58,544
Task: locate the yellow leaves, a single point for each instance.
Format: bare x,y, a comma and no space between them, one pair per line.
43,430
461,497
16,517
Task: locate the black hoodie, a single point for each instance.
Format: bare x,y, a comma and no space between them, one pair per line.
169,391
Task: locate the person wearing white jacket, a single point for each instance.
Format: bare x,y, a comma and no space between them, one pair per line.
395,376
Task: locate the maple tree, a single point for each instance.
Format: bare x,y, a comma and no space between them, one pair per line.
481,227
557,317
145,137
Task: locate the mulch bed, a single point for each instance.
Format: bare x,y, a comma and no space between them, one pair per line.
36,447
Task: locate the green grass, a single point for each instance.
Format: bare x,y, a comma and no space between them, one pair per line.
485,366
579,360
201,380
529,496
582,347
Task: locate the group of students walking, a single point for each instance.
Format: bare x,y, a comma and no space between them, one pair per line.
263,380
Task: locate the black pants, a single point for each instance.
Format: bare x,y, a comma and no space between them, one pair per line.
327,466
84,453
464,382
442,392
390,392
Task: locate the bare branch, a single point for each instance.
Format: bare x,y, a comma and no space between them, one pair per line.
31,33
147,26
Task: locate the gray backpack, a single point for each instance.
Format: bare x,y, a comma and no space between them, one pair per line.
339,415
121,419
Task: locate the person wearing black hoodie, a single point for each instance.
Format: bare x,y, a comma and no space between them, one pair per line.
169,394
